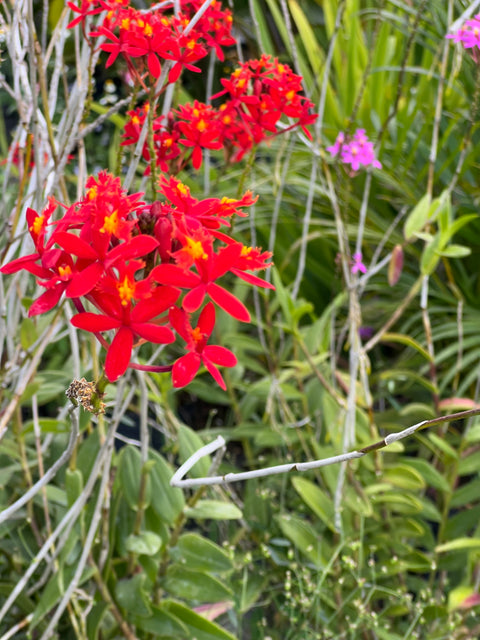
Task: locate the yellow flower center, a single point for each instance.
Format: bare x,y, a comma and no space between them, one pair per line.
110,223
195,249
64,271
196,335
201,125
92,192
37,225
181,188
126,290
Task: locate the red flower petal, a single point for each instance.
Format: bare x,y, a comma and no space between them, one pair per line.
118,355
94,322
154,333
154,65
179,321
252,279
73,244
215,373
137,247
194,298
184,369
206,320
173,275
46,301
228,302
161,300
220,355
84,281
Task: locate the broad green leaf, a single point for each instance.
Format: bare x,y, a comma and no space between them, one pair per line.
417,218
166,501
398,502
213,509
201,554
303,537
95,618
432,477
132,595
188,443
404,477
161,623
130,471
460,544
195,585
463,597
199,627
146,542
73,485
316,499
443,446
431,256
455,251
469,464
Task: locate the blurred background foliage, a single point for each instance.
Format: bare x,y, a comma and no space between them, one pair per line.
393,550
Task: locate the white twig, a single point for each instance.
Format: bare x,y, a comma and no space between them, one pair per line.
178,481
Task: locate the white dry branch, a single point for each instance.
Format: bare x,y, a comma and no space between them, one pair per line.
178,480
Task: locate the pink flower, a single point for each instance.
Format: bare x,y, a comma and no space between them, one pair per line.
358,265
357,151
468,34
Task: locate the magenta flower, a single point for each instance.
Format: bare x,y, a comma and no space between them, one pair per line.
358,265
357,151
468,34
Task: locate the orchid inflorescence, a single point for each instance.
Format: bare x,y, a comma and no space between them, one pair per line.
145,269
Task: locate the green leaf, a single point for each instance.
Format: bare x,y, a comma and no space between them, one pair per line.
73,485
162,623
54,591
460,544
417,218
303,538
469,464
432,477
166,501
404,477
316,499
430,256
199,627
195,585
131,595
188,443
145,543
28,333
455,251
130,474
443,446
213,509
408,341
201,554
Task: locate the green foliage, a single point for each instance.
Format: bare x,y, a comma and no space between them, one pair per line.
386,547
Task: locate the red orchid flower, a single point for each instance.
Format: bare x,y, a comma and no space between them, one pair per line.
186,367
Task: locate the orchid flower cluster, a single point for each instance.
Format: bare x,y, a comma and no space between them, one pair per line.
148,272
259,93
146,37
468,34
145,269
357,150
